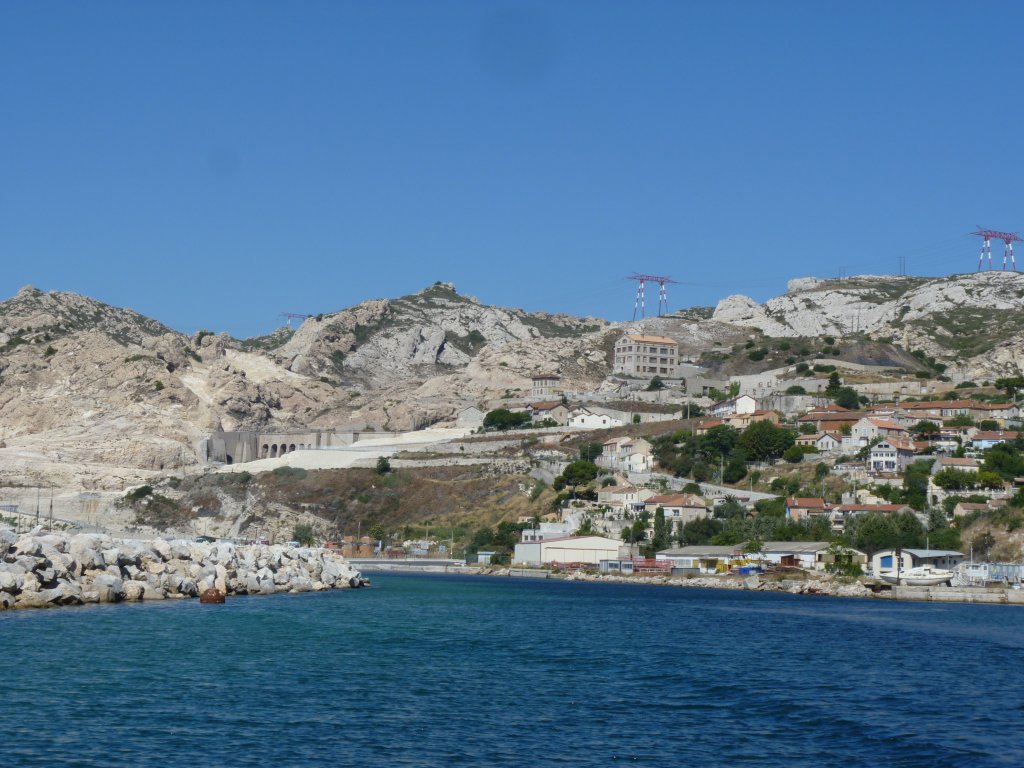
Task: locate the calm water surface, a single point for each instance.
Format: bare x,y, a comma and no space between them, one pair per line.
452,671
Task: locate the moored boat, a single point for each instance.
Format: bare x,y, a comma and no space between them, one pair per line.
919,576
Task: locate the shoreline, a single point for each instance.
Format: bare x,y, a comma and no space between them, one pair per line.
811,586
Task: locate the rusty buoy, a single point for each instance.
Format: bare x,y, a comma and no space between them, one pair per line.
211,595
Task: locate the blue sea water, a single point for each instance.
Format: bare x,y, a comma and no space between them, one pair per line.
460,671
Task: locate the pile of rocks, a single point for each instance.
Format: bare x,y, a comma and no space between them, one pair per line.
39,570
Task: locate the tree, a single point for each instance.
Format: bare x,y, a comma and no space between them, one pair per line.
754,547
590,451
915,483
303,533
847,397
586,527
1011,384
834,384
841,560
1005,460
820,470
734,388
988,425
579,473
762,441
383,465
699,531
735,470
718,441
660,539
796,389
377,532
503,419
795,453
656,384
924,427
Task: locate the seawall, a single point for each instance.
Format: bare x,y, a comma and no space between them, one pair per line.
43,570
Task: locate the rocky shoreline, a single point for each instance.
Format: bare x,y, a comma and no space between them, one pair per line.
44,570
811,586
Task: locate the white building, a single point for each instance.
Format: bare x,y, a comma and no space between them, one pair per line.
733,406
627,454
470,418
546,531
624,498
587,419
679,507
571,549
809,555
886,560
641,355
891,455
546,385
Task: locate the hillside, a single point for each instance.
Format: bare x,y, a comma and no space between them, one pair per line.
970,321
96,397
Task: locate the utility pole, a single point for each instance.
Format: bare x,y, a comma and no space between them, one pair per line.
37,505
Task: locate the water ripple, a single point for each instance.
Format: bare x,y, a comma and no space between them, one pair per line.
441,671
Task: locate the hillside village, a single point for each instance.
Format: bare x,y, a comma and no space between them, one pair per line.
858,418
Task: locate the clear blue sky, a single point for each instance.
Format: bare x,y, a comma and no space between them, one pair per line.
214,164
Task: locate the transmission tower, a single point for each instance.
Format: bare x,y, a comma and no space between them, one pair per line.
641,300
1009,238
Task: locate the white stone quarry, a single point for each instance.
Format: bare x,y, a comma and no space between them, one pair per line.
40,570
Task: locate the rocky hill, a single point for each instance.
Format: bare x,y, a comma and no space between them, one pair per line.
93,396
97,397
971,321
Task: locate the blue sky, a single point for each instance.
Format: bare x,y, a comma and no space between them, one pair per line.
214,164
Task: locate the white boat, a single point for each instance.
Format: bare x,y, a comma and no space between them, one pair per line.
919,576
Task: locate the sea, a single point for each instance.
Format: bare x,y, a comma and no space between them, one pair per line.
436,670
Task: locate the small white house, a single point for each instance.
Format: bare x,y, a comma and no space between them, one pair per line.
470,418
885,560
587,419
571,549
733,406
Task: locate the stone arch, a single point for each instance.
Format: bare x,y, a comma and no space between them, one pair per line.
229,459
291,448
265,451
273,451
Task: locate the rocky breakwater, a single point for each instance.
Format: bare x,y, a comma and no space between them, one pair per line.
41,570
812,586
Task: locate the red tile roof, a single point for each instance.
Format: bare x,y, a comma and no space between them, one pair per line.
805,502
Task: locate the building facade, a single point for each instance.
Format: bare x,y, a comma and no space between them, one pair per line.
641,355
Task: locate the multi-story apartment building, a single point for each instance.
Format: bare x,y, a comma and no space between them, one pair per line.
640,355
